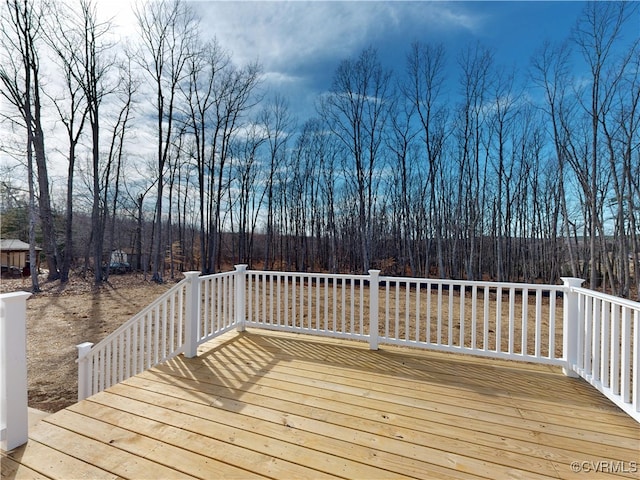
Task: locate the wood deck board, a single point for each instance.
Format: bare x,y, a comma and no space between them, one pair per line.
417,407
276,405
401,441
503,402
556,448
276,439
562,450
10,468
545,374
50,462
405,446
385,422
105,456
141,441
477,374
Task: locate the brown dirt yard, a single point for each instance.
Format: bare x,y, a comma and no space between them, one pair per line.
62,316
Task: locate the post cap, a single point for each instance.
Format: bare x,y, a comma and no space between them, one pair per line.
572,281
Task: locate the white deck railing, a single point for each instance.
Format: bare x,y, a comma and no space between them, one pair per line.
607,348
504,320
187,315
152,336
469,317
514,321
314,303
589,334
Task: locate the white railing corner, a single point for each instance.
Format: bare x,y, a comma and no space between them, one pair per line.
374,281
240,297
571,325
14,408
84,372
192,317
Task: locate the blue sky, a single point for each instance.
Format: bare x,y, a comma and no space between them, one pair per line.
300,44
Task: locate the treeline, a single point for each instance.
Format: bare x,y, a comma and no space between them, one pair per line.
494,174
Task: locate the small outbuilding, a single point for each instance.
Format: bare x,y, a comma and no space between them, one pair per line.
119,256
14,257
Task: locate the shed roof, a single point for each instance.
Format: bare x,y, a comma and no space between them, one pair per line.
14,245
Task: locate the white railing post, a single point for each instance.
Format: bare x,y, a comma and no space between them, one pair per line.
374,279
13,370
570,325
240,296
635,394
84,372
192,320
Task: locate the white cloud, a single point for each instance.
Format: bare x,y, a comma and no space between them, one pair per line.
280,77
300,43
282,34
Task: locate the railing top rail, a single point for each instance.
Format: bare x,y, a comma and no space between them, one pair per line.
623,302
435,281
230,273
138,315
308,274
530,286
438,281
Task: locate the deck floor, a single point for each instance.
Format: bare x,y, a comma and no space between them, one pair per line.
275,405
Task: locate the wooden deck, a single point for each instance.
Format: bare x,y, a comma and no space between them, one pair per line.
276,405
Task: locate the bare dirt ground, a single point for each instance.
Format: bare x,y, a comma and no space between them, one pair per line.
62,316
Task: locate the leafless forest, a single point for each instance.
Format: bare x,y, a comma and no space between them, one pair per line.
486,173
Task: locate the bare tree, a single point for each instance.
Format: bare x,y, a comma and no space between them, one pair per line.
277,123
326,152
204,70
247,164
235,97
426,76
292,207
21,32
72,109
167,30
628,193
475,63
502,119
550,68
125,90
597,32
136,210
92,63
356,109
404,191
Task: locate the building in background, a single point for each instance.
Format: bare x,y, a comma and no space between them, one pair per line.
14,258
